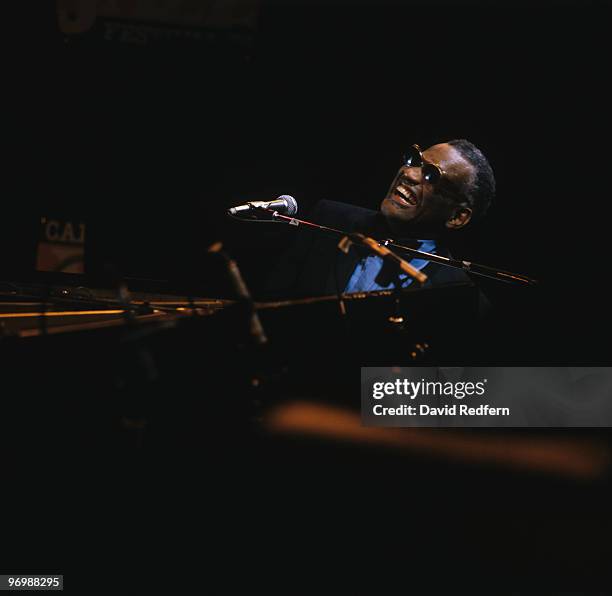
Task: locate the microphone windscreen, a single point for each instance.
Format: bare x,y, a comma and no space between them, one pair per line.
292,207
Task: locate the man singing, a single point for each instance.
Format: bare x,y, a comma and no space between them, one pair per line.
435,192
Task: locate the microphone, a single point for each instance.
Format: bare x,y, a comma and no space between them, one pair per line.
284,204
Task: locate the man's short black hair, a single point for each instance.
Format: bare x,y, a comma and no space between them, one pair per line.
481,191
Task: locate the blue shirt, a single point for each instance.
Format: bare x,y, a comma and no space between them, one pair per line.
363,278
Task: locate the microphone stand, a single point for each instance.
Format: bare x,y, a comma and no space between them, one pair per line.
468,266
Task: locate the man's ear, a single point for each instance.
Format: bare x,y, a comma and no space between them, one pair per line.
460,217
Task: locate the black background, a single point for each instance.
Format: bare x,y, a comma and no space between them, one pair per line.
149,144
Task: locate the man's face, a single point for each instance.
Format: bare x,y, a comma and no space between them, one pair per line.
416,206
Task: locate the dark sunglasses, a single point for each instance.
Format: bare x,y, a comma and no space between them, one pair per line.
432,173
413,158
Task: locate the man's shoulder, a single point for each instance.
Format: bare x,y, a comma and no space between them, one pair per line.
342,215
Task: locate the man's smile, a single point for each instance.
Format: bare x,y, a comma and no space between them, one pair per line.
404,194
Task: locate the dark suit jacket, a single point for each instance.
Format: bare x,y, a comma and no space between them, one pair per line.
314,266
